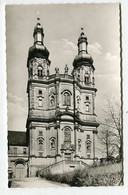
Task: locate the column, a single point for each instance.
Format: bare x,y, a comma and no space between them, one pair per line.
57,93
47,98
94,145
32,140
47,141
58,140
32,161
75,140
93,103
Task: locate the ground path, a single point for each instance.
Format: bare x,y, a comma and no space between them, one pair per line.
35,182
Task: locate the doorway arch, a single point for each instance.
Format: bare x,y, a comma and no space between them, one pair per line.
20,171
20,168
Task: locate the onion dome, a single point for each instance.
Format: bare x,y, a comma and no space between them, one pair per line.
38,49
83,57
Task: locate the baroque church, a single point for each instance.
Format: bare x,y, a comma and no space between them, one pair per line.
61,123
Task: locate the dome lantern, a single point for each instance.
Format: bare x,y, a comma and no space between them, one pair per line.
83,57
38,33
38,49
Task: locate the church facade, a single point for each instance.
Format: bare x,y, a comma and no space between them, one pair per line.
61,124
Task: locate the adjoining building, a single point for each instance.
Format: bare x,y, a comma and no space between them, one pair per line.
61,124
17,154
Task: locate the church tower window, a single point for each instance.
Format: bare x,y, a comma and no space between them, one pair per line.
86,79
24,150
87,98
40,71
40,92
67,135
67,98
40,102
87,107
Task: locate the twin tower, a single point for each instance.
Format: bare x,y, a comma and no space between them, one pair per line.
61,123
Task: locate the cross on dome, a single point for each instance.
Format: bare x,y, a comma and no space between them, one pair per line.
38,15
82,31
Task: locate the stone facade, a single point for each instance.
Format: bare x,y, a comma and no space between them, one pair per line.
61,122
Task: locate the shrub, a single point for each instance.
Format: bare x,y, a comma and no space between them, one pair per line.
87,177
79,178
66,178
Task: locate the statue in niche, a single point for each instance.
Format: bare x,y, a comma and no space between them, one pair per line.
66,69
52,143
93,80
88,146
79,144
52,101
78,101
40,143
57,70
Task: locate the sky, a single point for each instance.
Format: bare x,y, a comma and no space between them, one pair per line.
61,24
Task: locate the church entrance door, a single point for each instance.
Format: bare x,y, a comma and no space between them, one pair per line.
20,171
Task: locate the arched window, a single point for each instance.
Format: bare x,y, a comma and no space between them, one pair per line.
40,144
86,79
40,71
88,146
67,135
66,98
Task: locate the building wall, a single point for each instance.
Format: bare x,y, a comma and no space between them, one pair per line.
49,130
18,150
61,106
18,161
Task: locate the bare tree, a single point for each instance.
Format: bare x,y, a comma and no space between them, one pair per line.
106,141
111,136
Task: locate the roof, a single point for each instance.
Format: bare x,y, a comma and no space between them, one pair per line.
17,138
